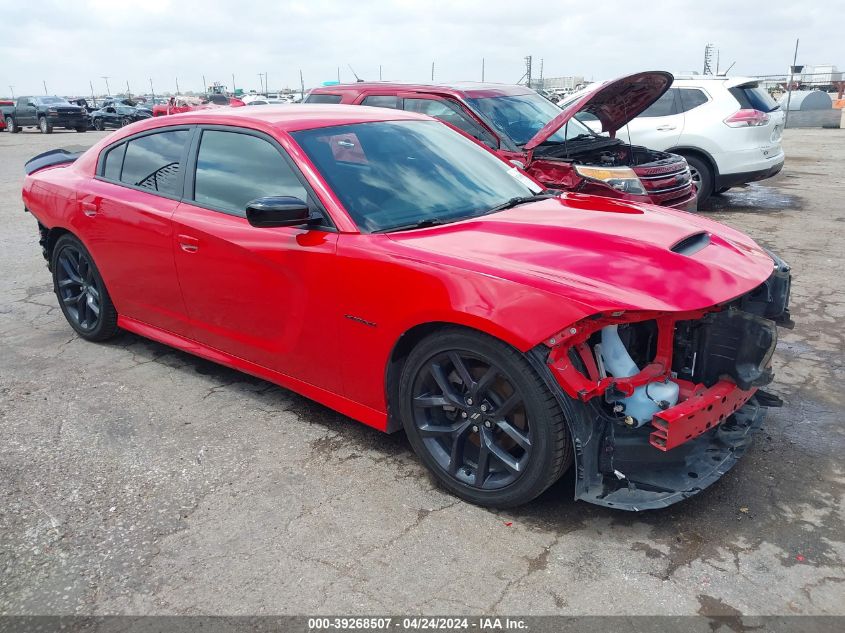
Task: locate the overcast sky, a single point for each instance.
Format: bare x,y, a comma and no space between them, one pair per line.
68,43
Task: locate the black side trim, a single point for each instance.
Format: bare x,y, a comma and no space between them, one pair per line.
50,159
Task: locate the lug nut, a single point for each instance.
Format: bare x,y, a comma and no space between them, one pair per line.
463,414
474,428
488,423
469,401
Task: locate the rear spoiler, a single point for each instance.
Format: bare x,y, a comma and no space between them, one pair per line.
50,159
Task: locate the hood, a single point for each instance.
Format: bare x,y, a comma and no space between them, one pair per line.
605,254
614,103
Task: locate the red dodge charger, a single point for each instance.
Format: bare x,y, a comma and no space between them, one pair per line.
396,270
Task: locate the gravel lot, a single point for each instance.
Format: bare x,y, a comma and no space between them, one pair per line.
137,479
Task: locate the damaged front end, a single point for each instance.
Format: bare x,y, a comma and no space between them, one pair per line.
661,404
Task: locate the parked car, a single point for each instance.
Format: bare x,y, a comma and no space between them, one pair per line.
176,105
550,144
45,113
5,104
393,269
728,128
116,116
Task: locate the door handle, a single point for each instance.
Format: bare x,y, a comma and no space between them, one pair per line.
665,128
89,209
188,244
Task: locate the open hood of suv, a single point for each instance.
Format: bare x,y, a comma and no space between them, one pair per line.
614,103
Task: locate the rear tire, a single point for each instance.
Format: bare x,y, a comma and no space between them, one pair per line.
125,121
44,125
98,124
11,125
481,419
719,192
81,292
702,176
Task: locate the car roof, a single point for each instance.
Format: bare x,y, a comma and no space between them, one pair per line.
288,117
466,89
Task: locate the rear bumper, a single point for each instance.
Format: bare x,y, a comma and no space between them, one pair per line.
740,178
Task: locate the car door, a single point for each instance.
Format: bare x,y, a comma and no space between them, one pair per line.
25,112
127,210
660,126
266,295
109,116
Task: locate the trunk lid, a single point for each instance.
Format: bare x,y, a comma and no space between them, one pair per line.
614,103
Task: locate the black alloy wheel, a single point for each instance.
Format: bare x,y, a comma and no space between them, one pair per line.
125,121
482,420
82,294
98,124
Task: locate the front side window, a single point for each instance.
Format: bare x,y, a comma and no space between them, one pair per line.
520,117
391,174
235,168
154,161
451,113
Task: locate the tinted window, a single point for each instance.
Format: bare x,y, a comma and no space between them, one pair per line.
520,117
395,173
113,162
382,101
451,113
323,98
691,98
753,97
234,168
153,162
666,105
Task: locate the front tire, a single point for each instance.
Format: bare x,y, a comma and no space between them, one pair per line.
98,124
125,121
81,292
481,419
702,176
44,125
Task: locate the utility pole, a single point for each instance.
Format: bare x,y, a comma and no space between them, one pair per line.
792,70
233,83
45,86
338,74
379,72
708,60
204,85
266,83
301,85
432,71
542,85
93,98
12,90
177,85
528,60
261,82
128,92
108,92
482,69
152,90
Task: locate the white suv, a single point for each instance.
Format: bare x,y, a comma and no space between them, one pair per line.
728,128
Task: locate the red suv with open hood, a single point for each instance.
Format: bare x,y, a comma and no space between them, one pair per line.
551,144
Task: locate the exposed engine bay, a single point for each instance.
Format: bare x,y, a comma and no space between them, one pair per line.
604,152
671,398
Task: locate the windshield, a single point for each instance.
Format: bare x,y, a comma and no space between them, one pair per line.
52,101
391,174
520,117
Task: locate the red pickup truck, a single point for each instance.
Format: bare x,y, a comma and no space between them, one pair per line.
551,144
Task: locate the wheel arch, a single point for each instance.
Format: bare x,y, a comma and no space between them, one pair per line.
704,155
48,239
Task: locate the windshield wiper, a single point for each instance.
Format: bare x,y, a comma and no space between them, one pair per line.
421,224
515,202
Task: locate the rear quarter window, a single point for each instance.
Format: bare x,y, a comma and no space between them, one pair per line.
154,162
383,101
113,162
323,98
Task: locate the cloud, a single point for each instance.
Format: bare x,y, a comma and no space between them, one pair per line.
68,44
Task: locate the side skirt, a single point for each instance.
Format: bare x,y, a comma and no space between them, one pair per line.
341,404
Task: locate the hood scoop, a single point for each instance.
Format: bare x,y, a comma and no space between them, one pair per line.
691,244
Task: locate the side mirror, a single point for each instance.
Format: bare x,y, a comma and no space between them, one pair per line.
278,211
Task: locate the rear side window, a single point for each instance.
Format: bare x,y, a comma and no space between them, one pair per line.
114,162
666,105
691,98
154,162
753,97
235,168
451,113
322,98
382,101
